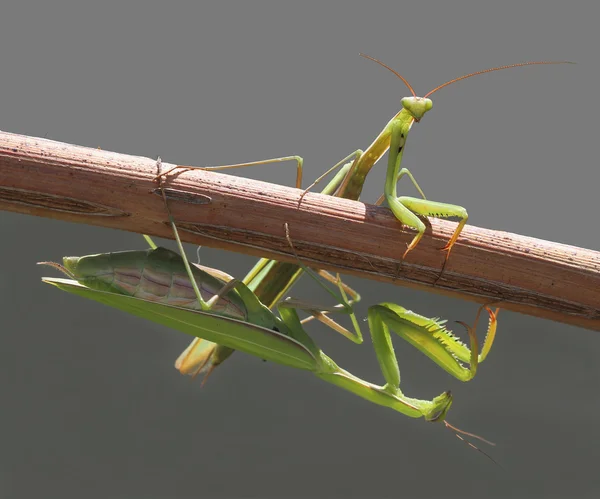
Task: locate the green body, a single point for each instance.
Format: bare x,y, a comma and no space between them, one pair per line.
152,284
260,333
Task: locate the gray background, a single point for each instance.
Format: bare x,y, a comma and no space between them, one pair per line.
91,405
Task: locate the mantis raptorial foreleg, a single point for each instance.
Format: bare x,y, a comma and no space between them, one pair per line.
405,206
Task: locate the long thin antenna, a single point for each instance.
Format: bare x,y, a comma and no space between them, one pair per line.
387,67
494,69
518,65
458,432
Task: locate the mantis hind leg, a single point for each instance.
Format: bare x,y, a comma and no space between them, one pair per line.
321,314
206,305
298,159
344,165
202,357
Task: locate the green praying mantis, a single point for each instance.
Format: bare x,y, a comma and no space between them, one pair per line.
406,209
160,285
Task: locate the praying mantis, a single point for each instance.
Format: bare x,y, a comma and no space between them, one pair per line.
406,209
160,285
348,183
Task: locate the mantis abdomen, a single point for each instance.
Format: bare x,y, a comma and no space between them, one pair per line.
155,275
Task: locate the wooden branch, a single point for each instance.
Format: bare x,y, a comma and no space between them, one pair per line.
56,180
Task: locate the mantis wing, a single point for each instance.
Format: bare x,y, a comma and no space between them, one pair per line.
264,343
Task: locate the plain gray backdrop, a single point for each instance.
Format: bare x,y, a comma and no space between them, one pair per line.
91,404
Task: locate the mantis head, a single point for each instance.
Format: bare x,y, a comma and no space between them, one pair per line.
438,412
439,407
417,106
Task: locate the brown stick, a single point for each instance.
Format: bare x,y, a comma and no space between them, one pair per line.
56,180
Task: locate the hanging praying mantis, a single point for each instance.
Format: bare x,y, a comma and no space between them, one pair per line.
204,356
160,285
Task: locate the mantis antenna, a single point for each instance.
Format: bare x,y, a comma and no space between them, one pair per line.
458,432
518,65
464,77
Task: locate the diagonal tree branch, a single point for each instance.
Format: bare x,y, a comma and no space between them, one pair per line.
78,184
